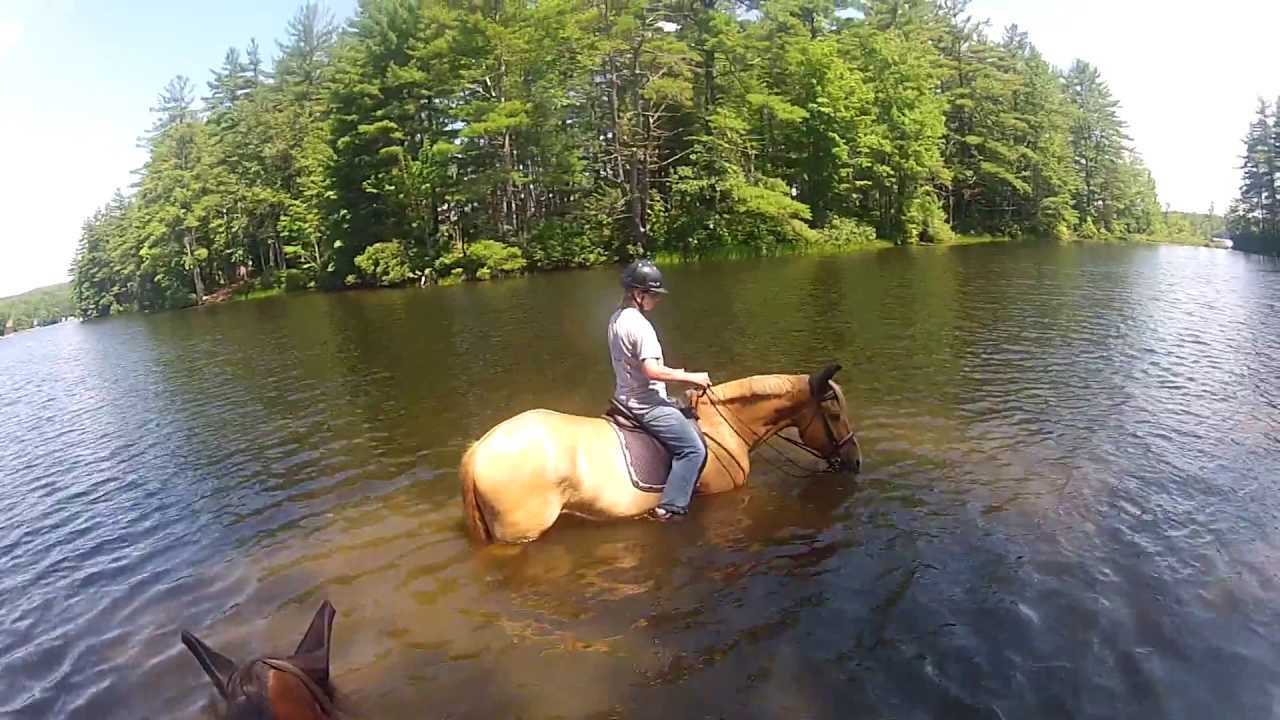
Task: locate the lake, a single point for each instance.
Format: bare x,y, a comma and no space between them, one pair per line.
1068,506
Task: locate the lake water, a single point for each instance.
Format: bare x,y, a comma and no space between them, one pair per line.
1068,506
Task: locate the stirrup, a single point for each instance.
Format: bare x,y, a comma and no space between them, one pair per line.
663,514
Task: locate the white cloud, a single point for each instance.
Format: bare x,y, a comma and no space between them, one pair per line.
10,35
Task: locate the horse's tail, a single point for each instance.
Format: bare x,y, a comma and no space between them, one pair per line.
476,524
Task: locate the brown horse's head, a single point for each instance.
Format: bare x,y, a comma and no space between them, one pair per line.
292,688
825,427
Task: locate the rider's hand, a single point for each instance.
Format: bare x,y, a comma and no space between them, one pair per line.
701,379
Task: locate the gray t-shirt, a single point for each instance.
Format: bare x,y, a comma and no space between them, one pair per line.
633,340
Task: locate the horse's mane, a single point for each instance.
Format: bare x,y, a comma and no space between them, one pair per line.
759,386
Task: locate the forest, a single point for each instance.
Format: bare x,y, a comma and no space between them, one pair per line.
442,140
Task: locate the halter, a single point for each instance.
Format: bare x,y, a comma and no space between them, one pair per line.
834,460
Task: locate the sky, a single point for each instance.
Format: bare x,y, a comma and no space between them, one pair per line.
77,79
1188,76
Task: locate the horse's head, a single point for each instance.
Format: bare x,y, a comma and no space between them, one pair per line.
825,426
292,688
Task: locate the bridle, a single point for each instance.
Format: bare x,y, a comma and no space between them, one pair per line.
317,693
835,461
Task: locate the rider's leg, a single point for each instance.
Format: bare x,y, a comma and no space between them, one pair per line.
681,438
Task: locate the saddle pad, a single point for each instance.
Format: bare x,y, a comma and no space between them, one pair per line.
648,462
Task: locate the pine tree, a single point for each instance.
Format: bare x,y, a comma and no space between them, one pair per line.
1098,143
1258,184
172,245
229,84
1039,128
174,106
305,54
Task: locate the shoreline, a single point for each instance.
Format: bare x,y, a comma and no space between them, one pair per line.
238,293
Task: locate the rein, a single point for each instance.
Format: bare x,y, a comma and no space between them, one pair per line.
833,461
317,693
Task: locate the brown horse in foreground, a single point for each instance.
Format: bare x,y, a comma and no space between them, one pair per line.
527,470
265,688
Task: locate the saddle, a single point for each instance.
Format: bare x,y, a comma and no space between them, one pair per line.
648,461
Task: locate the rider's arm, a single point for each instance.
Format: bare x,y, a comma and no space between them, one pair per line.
655,370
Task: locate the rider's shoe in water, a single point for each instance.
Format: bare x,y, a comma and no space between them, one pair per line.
665,513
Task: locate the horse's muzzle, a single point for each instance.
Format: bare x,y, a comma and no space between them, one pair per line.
846,464
841,465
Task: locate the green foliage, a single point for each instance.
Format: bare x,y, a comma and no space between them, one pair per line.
933,225
1191,228
576,242
566,133
385,264
846,233
717,200
292,280
907,138
482,260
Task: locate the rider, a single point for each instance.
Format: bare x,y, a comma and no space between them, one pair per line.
639,386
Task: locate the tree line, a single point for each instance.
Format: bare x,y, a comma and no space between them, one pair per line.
1253,220
42,306
434,140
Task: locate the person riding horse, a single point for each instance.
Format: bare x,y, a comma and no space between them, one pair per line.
540,464
640,377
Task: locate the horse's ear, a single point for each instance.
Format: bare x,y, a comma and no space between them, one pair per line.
820,381
313,650
217,666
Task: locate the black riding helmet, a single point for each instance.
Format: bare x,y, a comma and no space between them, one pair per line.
643,275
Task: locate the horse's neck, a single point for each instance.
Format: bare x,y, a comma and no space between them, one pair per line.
761,405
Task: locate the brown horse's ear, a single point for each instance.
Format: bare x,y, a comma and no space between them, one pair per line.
217,666
312,654
820,381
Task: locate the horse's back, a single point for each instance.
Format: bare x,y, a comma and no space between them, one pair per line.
537,426
543,458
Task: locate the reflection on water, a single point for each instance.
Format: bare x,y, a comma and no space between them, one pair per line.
1068,506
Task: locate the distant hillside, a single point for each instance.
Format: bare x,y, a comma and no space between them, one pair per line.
42,306
1193,228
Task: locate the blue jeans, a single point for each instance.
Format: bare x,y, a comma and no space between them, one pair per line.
680,436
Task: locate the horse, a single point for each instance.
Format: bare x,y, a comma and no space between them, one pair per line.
268,688
529,469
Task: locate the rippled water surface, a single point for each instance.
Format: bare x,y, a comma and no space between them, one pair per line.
1068,509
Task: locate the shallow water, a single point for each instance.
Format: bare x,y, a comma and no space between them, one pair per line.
1068,507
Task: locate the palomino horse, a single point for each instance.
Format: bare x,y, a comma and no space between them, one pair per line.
526,471
265,688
